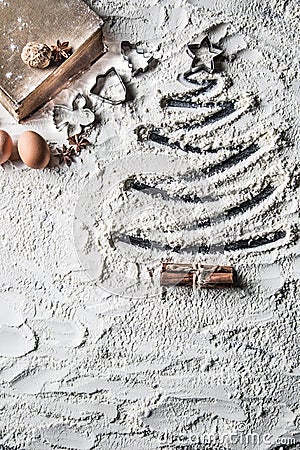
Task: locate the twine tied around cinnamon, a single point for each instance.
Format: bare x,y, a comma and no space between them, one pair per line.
202,274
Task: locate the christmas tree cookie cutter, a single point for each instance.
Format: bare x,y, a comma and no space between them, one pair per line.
110,87
138,57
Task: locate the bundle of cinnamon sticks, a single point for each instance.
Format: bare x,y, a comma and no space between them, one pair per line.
196,275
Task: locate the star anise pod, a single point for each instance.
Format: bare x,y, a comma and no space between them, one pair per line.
79,142
66,155
61,50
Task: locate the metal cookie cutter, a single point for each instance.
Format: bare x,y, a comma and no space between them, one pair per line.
110,87
138,57
203,55
75,118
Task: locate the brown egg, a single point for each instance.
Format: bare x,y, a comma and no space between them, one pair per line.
33,150
6,146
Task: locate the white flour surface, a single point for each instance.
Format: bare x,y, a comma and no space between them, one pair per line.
94,354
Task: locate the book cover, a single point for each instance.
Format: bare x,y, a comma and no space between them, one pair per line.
23,89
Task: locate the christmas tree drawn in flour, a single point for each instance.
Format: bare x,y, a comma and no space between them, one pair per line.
208,110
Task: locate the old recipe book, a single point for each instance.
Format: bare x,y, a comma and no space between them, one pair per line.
22,89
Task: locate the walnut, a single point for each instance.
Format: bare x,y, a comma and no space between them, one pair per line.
36,55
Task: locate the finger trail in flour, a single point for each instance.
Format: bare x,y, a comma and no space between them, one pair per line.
158,138
231,161
241,244
192,198
238,210
205,86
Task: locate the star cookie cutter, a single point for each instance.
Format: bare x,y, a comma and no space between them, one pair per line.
110,87
138,57
75,118
203,55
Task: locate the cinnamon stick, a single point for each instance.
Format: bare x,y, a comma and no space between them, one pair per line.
196,275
